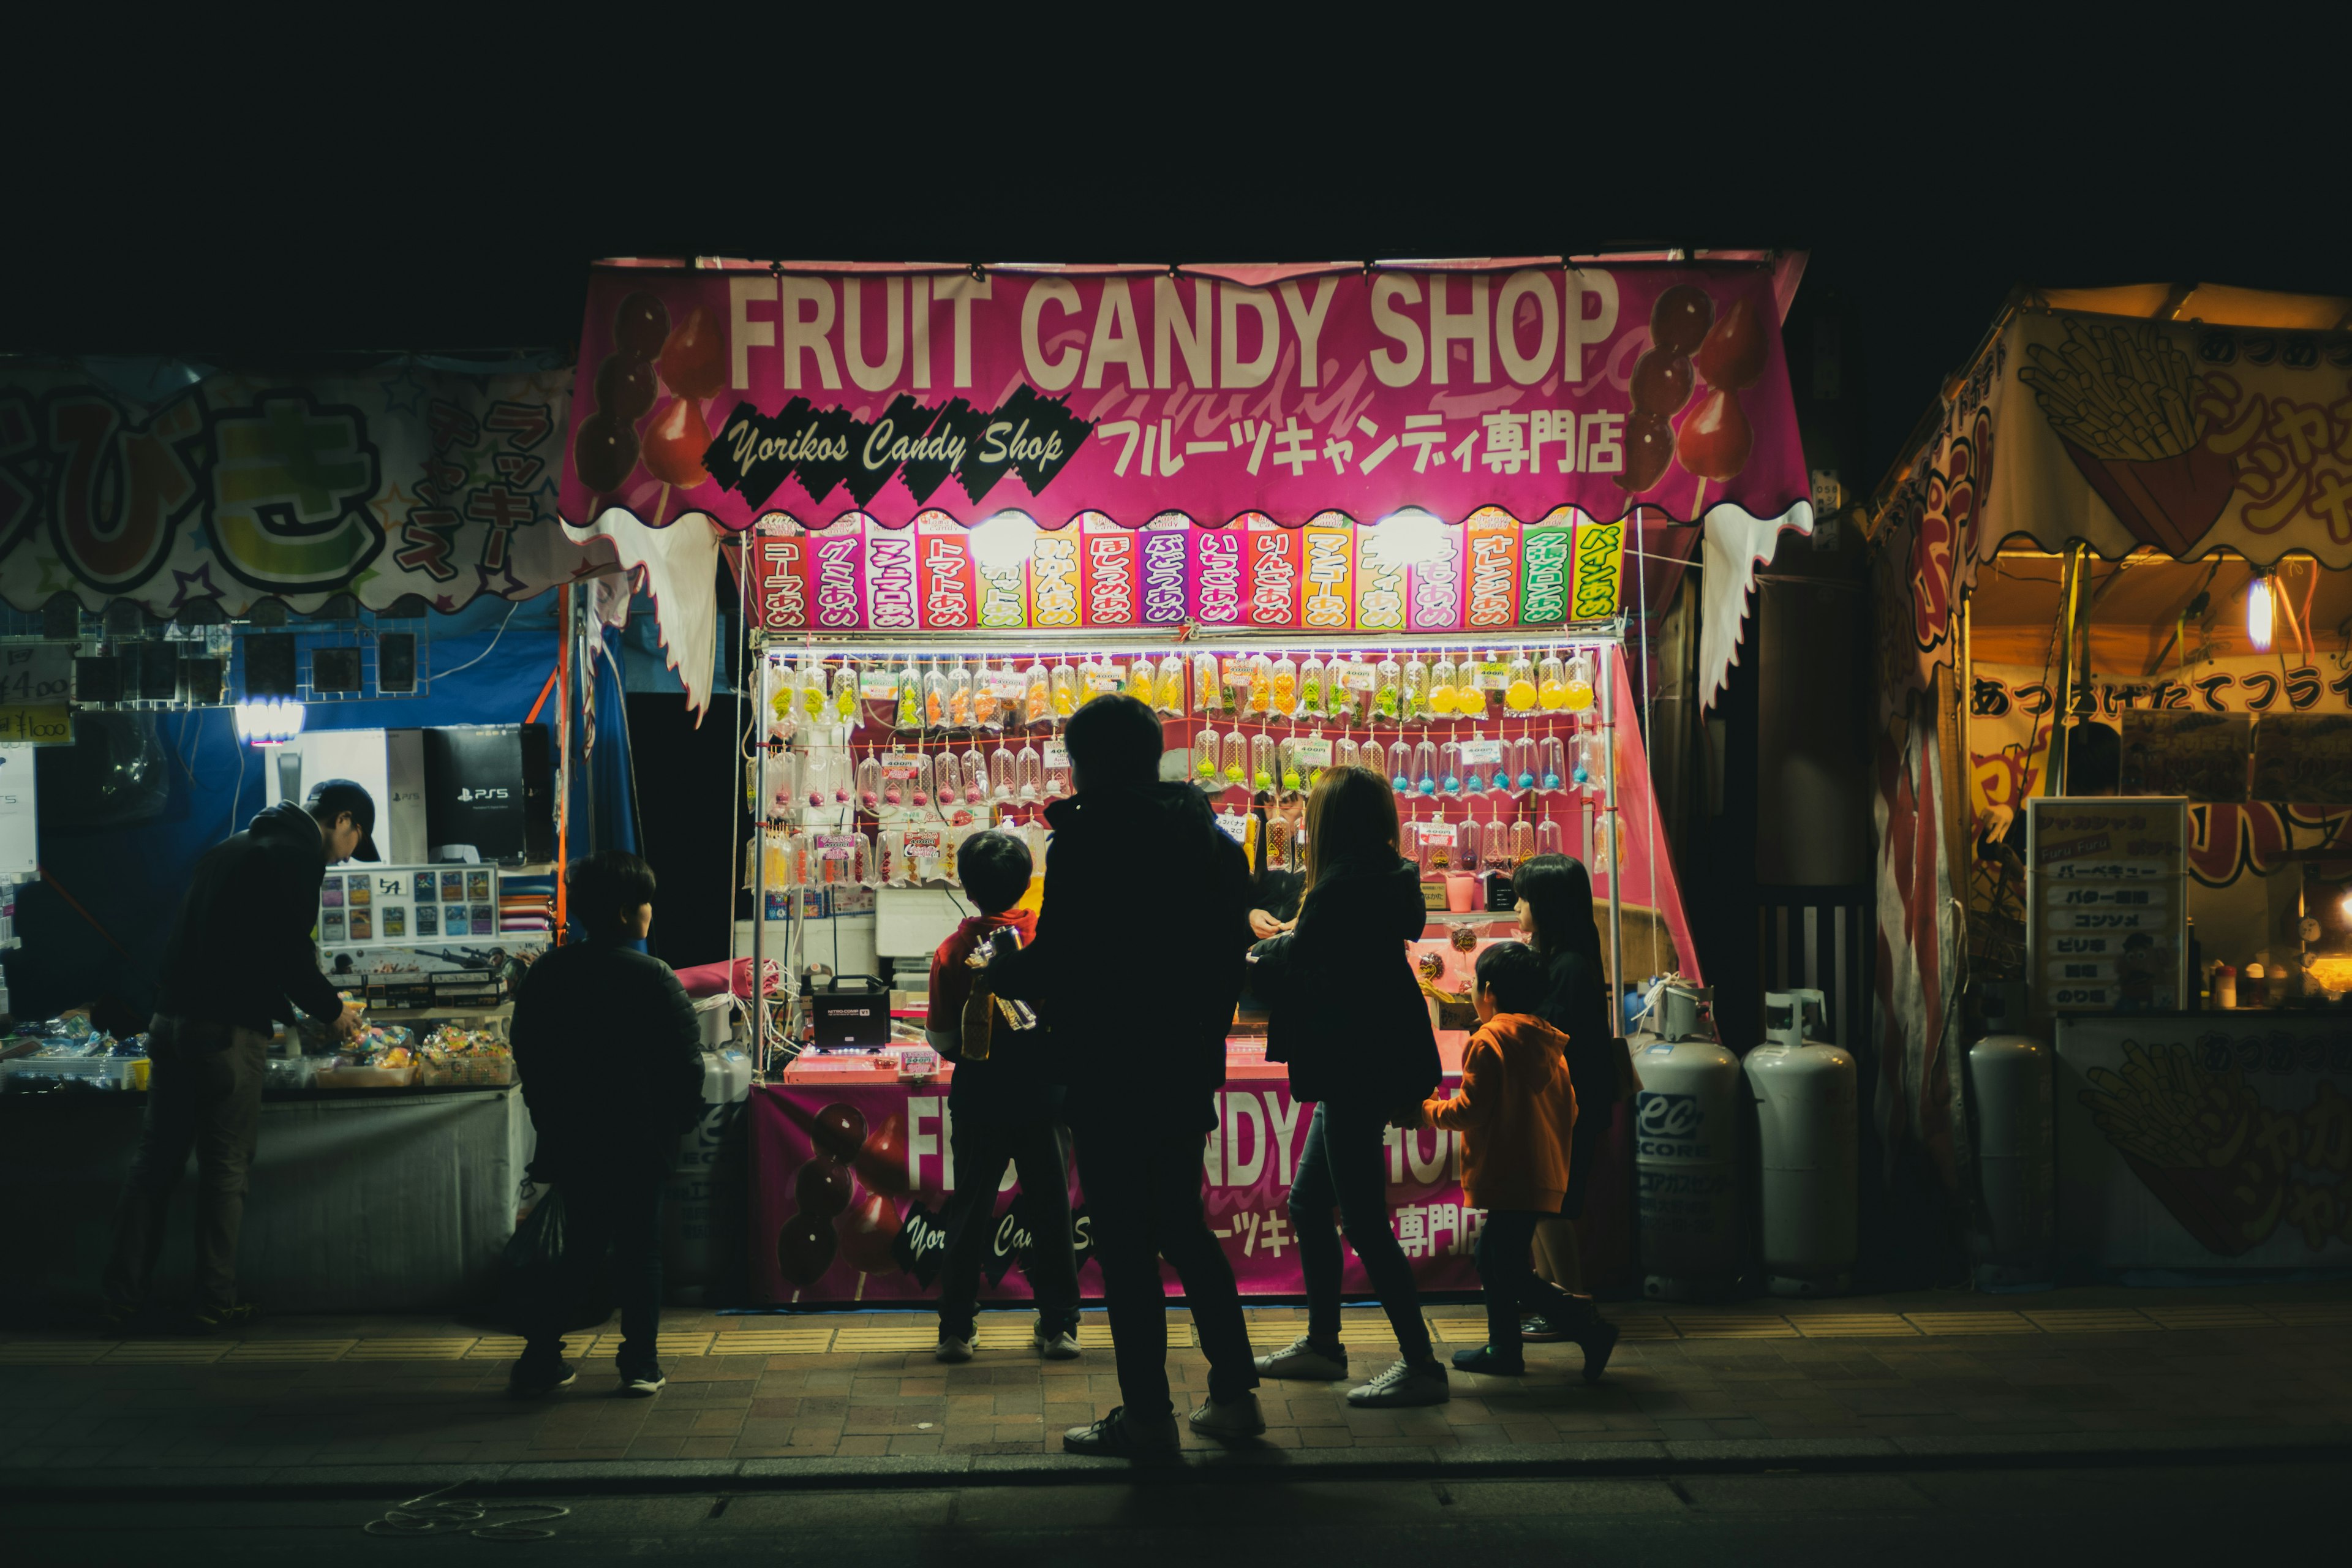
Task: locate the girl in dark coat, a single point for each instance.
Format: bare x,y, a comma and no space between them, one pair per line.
1348,1019
1555,912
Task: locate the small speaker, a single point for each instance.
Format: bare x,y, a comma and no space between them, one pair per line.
334,669
396,663
270,658
200,679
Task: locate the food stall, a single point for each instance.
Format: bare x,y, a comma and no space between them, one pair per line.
2126,525
222,586
1413,518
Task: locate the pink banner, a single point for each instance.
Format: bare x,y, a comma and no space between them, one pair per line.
737,389
850,1184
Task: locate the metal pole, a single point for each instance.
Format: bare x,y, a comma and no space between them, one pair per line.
751,670
2054,767
1609,828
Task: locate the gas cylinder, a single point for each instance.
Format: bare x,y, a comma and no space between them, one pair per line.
1806,1146
1687,1152
2011,1089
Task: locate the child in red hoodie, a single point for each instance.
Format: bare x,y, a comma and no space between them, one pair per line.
1001,1110
1516,1111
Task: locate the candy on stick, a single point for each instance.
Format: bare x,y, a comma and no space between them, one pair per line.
1399,763
1312,687
1425,768
1520,695
1170,698
1445,680
1414,693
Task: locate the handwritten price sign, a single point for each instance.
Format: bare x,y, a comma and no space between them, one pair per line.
37,724
36,673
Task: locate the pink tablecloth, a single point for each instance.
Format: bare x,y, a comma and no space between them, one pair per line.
861,1221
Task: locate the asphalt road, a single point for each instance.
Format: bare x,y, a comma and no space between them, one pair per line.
2083,1518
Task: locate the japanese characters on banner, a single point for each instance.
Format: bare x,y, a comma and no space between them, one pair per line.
2205,1142
195,485
738,390
1490,574
2121,434
850,1186
2110,904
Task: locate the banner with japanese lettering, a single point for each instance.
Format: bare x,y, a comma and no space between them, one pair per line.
850,1188
182,484
2121,435
2205,1142
737,390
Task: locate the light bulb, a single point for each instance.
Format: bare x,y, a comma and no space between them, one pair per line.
2258,612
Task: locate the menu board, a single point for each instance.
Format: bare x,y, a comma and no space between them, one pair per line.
2202,756
2305,758
408,905
2108,903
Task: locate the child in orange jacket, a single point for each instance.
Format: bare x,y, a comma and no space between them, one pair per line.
1516,1111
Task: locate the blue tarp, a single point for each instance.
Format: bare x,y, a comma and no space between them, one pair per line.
130,879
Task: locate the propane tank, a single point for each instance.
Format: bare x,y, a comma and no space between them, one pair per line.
2009,1084
1687,1149
1808,1143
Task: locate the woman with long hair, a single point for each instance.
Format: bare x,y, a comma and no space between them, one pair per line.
1555,910
1348,1019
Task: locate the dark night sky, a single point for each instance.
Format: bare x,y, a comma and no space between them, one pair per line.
249,204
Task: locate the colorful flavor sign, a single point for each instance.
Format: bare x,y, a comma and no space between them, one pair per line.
738,389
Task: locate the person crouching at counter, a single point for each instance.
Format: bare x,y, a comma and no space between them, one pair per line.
1348,1017
1004,1110
1140,947
611,1060
1516,1113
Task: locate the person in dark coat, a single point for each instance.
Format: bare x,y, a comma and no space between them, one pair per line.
610,1058
1555,910
238,957
1348,1019
1141,944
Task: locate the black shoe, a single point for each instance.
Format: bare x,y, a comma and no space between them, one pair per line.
536,1382
213,1320
1599,1342
1541,1330
1485,1360
642,1382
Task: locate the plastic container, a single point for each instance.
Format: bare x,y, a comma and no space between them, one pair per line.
336,1073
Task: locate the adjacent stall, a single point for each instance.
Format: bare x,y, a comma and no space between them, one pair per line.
2116,628
1411,517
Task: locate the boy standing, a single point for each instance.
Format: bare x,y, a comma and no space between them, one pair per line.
1002,1110
1516,1111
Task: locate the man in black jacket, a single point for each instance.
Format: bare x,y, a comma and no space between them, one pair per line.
610,1058
239,956
1138,957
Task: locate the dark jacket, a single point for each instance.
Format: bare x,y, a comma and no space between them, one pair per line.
1011,1085
1139,954
611,1060
1577,1005
240,953
1345,1012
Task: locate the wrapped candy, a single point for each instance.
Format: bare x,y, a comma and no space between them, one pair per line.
1208,684
1470,693
817,698
1208,760
1142,679
845,693
1237,766
1003,773
1260,686
1445,693
1284,688
1449,769
1261,762
1470,840
959,695
1037,695
1168,692
1552,773
869,784
987,706
1547,837
1551,684
1344,753
1577,683
1523,843
1519,694
1067,695
947,779
1414,691
1312,688
1425,768
1388,690
1400,764
1032,773
908,719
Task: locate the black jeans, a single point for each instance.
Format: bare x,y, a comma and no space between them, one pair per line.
203,1092
1143,1204
1506,1270
1040,1152
1346,1164
610,1222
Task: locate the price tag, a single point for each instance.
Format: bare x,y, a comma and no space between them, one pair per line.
921,843
1236,827
1005,686
36,673
898,765
835,846
1486,752
1311,753
1442,833
876,685
1236,674
1057,754
1360,678
40,725
1103,685
1494,677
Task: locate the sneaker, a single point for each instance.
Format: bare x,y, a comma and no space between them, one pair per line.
1305,1362
528,1381
1598,1340
1228,1417
1402,1384
1539,1329
212,1320
1487,1359
642,1382
953,1348
1116,1436
1055,1344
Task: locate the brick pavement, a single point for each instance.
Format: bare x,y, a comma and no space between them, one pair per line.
325,1393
